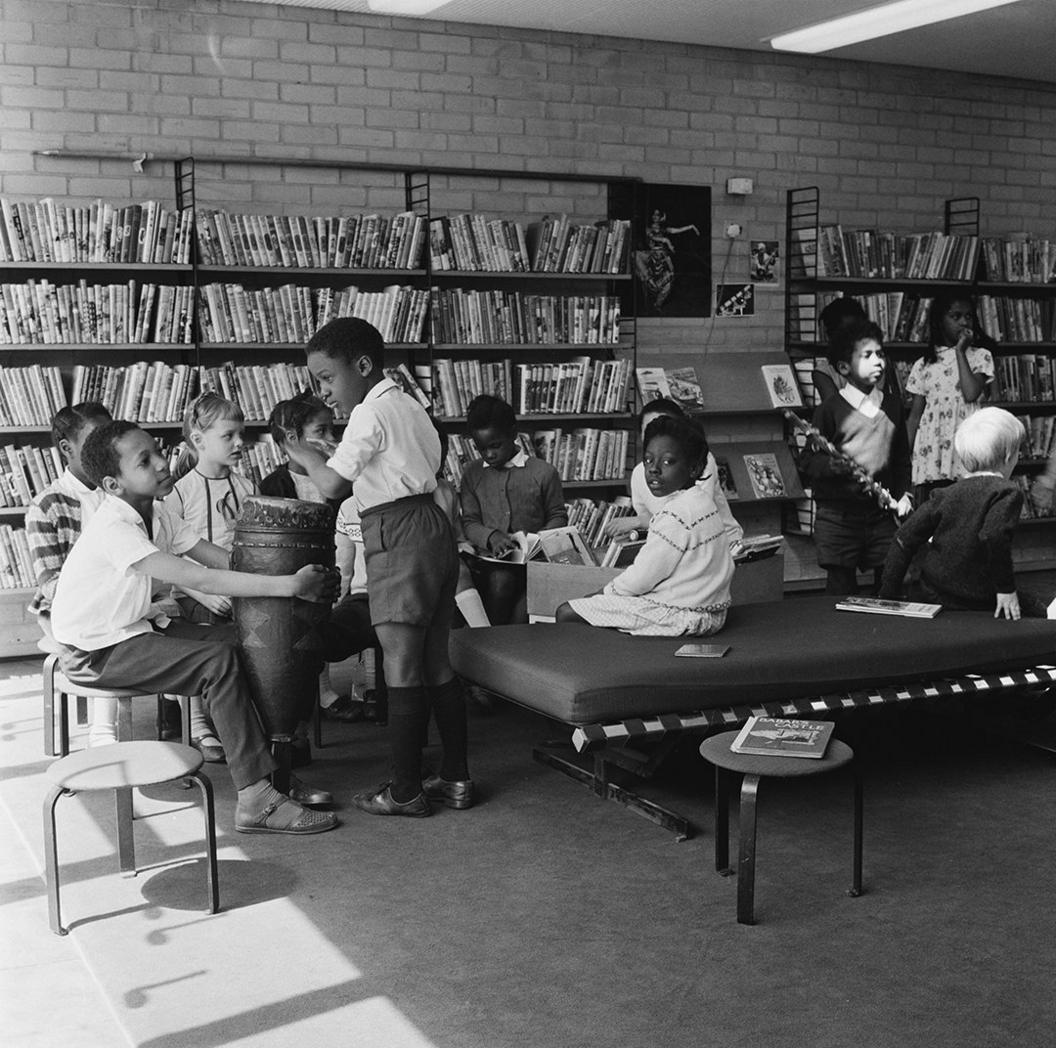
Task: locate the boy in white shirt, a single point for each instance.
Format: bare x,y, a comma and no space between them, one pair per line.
102,615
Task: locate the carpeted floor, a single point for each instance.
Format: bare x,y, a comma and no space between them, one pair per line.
546,917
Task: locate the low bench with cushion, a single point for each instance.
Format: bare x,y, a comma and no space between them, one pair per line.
795,657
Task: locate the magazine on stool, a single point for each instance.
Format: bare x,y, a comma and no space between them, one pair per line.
781,737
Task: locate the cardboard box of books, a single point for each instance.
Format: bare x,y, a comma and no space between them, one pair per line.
552,584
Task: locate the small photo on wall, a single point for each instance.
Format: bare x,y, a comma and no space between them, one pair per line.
735,300
763,260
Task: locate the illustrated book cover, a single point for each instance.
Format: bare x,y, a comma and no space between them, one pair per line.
765,475
726,481
879,606
781,737
781,386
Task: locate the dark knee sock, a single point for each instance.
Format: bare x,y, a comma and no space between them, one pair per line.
408,716
449,709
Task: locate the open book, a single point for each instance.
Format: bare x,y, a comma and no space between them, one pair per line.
556,545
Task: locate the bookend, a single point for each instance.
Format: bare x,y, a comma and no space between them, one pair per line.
631,755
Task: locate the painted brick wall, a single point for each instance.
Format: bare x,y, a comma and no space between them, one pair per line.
885,144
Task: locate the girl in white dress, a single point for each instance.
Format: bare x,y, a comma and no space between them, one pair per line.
948,384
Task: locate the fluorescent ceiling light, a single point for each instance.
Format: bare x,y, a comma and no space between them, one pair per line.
404,7
877,21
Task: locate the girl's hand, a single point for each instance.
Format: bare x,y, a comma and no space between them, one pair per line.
965,340
1007,606
302,452
621,526
904,506
317,583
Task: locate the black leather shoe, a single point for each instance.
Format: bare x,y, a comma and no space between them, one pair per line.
307,795
345,709
453,794
380,802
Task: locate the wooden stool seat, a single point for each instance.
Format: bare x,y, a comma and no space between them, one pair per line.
754,767
121,767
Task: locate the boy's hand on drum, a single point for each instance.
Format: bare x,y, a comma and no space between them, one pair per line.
318,584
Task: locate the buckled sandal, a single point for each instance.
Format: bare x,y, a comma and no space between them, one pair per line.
272,819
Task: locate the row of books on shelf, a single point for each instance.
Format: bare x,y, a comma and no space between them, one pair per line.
572,387
1043,509
465,316
371,241
1020,260
1017,319
16,564
42,313
1040,439
592,517
915,256
584,453
26,471
43,231
1022,377
293,313
472,242
30,396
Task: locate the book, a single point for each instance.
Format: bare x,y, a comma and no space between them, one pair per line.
703,651
781,737
565,546
726,481
685,387
757,547
765,475
621,552
781,385
879,606
652,384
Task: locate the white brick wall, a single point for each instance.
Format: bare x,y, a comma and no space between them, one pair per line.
885,144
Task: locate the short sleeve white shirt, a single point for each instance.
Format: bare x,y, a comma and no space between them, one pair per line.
389,449
100,599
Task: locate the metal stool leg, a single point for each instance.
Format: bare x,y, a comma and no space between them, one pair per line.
722,822
51,861
746,856
206,789
856,884
126,841
48,678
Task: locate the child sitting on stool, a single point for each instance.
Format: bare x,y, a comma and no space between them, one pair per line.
853,531
968,527
680,580
101,614
506,490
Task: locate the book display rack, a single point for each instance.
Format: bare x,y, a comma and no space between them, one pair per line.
143,305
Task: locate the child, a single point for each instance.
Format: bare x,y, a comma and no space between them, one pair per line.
505,491
833,318
967,527
55,519
947,385
646,504
391,452
853,531
306,417
208,499
102,603
680,581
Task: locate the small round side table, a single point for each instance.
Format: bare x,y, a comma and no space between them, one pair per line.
717,751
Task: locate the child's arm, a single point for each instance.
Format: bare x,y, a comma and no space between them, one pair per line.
554,512
972,383
473,526
331,484
313,582
916,530
655,561
996,538
47,550
916,410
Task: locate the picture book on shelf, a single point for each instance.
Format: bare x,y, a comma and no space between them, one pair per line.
765,475
726,482
652,384
679,384
781,737
879,606
781,385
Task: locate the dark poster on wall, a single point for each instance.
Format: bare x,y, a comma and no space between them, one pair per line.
670,258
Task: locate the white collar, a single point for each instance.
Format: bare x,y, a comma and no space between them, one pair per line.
77,484
380,388
519,461
867,403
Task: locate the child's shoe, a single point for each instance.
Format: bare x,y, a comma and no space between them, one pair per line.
452,794
380,802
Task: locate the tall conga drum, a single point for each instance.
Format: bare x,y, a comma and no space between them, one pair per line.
277,635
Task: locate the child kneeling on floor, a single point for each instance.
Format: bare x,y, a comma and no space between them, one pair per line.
102,615
680,581
968,527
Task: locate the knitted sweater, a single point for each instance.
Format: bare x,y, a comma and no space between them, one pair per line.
879,445
969,560
525,498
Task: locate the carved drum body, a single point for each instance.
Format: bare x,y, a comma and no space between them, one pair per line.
277,635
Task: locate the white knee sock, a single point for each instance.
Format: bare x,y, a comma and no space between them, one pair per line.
103,728
472,608
200,724
327,695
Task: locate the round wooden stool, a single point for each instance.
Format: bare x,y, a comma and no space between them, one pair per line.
121,767
753,768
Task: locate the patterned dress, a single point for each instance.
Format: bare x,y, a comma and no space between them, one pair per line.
944,410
